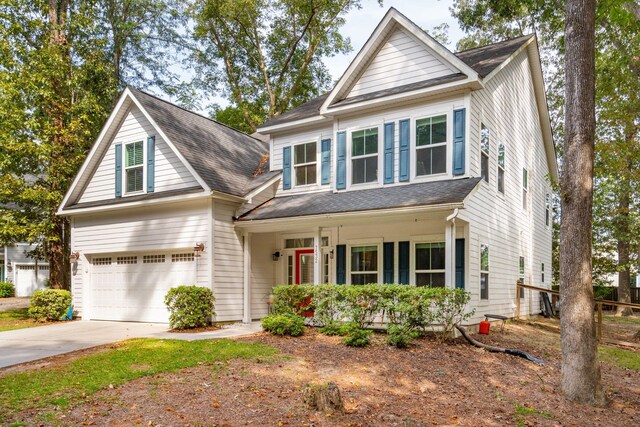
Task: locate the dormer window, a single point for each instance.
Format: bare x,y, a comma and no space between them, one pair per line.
364,156
304,163
134,166
431,145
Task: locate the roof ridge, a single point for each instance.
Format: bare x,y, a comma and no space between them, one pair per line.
192,112
495,43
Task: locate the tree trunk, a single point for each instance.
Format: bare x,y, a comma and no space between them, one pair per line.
623,231
580,375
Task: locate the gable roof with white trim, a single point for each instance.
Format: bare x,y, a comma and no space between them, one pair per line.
222,159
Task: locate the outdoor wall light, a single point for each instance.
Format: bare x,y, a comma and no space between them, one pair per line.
74,257
276,255
198,249
331,254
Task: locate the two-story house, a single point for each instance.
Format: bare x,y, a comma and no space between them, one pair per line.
420,167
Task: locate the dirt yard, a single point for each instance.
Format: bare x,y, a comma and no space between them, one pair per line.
428,384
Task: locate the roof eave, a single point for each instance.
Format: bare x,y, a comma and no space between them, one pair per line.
293,124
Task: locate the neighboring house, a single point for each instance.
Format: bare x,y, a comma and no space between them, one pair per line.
19,267
421,167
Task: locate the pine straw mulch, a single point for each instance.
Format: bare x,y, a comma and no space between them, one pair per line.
428,384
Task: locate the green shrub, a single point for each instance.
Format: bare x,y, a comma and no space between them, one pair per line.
189,306
400,336
293,299
49,304
449,306
284,324
356,336
335,328
6,290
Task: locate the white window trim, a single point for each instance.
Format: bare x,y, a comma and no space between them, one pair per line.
350,157
124,168
364,242
294,184
427,238
488,272
413,158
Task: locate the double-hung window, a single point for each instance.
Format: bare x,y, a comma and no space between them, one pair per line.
431,145
521,275
304,163
430,264
364,156
134,166
364,264
525,187
542,272
484,272
547,210
484,152
501,168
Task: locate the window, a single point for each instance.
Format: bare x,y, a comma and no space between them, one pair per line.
153,259
290,270
521,275
501,168
102,261
325,268
133,166
304,163
127,260
484,152
364,156
430,264
484,272
364,264
431,145
306,242
525,187
547,211
186,257
542,272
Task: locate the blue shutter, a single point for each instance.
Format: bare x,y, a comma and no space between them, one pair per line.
458,141
389,142
388,262
286,168
151,161
404,150
460,263
118,170
341,264
325,145
403,263
341,161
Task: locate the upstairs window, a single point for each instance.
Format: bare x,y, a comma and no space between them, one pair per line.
364,156
521,275
304,163
364,265
501,168
431,145
547,210
484,272
484,152
430,264
542,272
134,166
525,187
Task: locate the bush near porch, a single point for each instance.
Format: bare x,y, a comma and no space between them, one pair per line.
189,306
408,311
49,305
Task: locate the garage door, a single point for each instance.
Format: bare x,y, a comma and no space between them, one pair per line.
132,287
30,278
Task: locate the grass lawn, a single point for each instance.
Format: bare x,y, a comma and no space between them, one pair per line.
630,320
131,359
16,319
620,357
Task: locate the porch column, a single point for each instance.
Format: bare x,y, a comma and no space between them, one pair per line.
246,295
317,256
450,251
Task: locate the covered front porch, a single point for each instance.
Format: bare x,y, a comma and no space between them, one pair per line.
423,246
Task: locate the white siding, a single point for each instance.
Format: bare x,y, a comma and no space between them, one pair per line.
140,230
228,263
263,269
170,172
267,194
402,60
507,107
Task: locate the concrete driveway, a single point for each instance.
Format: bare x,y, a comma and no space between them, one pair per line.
27,345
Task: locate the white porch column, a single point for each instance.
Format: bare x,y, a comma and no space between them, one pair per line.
317,256
246,316
450,251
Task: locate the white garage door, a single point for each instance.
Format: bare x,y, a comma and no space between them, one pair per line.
30,278
132,287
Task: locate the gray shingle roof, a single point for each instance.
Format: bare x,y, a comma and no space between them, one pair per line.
399,196
223,157
136,198
304,111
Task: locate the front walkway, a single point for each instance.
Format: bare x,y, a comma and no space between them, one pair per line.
27,345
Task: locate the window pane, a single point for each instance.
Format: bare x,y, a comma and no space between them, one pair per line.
484,286
522,267
364,258
431,160
484,167
364,142
525,179
133,154
304,153
484,257
371,141
438,129
134,179
363,279
437,256
306,175
310,150
422,256
423,132
434,280
501,155
298,154
430,256
501,180
484,138
364,170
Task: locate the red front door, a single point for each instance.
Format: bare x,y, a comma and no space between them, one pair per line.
304,266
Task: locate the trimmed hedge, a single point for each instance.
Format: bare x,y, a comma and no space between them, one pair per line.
284,324
189,306
49,304
408,310
7,290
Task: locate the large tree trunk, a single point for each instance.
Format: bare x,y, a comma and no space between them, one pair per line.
580,375
624,271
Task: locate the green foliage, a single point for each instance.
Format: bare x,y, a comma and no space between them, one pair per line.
449,310
335,328
189,306
49,304
400,335
293,299
284,324
356,337
7,290
69,384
